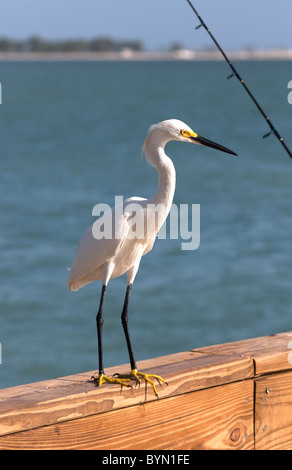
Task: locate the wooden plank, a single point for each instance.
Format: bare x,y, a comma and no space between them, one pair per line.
62,400
270,353
83,377
214,418
273,412
202,408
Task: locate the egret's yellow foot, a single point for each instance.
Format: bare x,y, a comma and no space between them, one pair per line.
101,379
135,375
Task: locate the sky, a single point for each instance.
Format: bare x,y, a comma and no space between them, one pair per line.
158,24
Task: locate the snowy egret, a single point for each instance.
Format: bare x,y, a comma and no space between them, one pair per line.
105,258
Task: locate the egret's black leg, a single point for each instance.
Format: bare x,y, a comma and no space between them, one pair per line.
102,378
135,374
99,325
125,326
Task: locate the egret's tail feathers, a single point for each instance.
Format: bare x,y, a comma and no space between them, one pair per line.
76,284
73,286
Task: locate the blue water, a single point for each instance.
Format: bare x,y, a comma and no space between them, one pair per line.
71,137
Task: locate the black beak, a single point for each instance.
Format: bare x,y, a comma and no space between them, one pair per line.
208,143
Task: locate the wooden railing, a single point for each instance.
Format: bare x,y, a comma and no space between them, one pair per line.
229,396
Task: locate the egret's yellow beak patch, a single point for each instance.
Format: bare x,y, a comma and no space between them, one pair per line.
188,134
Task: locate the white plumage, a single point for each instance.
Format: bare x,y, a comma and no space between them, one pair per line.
132,234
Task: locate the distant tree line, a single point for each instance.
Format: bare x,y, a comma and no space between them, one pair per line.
38,44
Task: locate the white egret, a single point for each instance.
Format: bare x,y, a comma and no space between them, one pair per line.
109,257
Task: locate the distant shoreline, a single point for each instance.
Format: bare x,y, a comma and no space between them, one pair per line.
129,55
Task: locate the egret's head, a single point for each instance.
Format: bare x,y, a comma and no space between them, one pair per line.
173,129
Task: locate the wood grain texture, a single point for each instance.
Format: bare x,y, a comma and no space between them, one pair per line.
273,417
270,353
230,396
215,418
63,400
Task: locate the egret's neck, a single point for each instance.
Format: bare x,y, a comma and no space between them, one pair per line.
166,178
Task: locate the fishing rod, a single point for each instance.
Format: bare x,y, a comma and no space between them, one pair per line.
236,74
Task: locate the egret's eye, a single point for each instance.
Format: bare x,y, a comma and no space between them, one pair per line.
185,133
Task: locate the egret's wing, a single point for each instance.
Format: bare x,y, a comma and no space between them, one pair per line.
99,244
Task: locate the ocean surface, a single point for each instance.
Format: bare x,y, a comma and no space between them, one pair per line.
71,135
